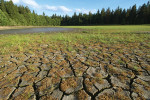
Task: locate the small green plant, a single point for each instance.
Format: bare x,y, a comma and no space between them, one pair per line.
32,68
1,72
9,78
28,95
135,68
125,35
84,32
20,48
121,62
69,48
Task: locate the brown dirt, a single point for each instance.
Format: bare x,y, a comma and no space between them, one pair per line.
95,72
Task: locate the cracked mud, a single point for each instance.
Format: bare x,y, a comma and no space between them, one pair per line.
95,72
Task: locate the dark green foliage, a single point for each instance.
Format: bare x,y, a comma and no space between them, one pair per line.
11,14
5,20
106,16
2,5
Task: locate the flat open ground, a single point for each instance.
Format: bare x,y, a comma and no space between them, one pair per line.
96,63
18,27
14,27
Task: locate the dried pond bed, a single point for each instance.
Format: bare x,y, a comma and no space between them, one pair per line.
93,71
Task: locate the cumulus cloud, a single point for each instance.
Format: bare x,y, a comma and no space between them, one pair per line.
85,11
58,8
53,8
31,3
63,9
78,10
14,1
34,4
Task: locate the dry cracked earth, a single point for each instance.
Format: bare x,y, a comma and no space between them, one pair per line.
89,72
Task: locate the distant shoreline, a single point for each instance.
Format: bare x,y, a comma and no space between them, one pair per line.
21,27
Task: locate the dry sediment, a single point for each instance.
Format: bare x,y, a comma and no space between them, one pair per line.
89,72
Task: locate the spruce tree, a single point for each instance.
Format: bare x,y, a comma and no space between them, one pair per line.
98,17
2,5
3,19
108,15
103,16
132,15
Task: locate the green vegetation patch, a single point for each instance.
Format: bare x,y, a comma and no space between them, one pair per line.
25,42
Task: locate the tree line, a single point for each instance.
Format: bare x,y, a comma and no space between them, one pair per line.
11,14
133,15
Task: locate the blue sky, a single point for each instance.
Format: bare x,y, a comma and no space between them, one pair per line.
63,7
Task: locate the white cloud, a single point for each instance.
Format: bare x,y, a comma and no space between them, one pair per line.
53,8
31,3
65,9
78,10
85,11
34,4
58,8
14,1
